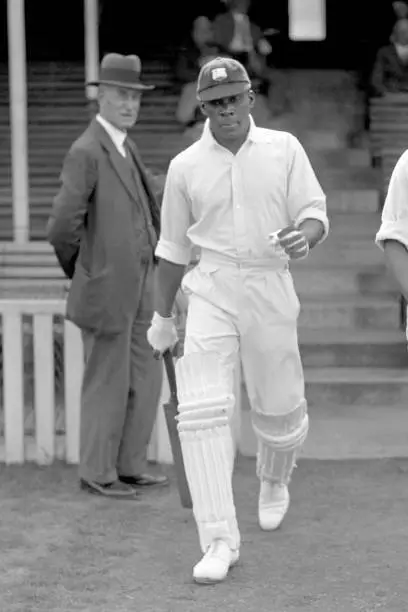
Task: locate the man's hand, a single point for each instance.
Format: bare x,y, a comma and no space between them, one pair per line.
292,241
264,47
162,334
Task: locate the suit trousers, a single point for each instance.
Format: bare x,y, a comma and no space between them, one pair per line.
120,394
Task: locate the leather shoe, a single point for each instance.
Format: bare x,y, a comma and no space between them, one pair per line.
115,490
144,480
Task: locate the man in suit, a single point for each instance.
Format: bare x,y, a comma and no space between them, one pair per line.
238,37
390,72
104,226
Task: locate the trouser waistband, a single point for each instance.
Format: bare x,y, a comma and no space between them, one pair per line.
269,263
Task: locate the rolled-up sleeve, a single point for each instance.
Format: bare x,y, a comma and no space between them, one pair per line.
394,219
174,244
306,199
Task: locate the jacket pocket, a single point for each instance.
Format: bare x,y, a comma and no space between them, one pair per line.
90,302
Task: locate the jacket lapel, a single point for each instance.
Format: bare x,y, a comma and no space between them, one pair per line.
153,204
118,162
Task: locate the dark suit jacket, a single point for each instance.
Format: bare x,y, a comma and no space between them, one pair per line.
390,73
93,230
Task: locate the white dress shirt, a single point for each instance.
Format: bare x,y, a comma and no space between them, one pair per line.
117,136
229,204
394,219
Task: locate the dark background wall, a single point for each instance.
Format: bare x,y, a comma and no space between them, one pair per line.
55,29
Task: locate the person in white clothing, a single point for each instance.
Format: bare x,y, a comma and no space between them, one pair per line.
247,198
392,237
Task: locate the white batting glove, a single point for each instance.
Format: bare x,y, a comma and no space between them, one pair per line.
162,333
291,241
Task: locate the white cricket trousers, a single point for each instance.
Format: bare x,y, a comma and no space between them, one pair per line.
245,312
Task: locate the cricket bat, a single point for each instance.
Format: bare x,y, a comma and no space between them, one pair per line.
171,412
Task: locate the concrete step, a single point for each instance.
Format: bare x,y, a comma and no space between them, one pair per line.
345,253
31,272
352,387
353,348
346,312
341,158
353,201
40,260
38,291
322,140
340,281
23,286
346,179
356,224
356,386
37,230
349,432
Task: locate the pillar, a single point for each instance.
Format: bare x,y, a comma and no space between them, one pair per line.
91,20
18,119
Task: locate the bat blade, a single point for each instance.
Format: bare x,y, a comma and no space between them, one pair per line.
171,411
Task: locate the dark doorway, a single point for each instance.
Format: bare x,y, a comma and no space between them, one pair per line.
55,30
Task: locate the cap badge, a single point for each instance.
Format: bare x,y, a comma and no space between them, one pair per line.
219,74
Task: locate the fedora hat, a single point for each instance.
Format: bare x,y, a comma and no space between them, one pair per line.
121,71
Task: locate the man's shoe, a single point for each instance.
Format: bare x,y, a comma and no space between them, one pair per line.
115,490
144,480
215,564
273,505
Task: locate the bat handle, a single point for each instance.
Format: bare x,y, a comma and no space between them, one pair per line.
171,374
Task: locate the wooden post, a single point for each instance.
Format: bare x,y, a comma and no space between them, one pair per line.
44,387
91,20
13,381
74,367
18,119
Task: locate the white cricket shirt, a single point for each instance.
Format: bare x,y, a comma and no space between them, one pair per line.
229,204
117,136
394,219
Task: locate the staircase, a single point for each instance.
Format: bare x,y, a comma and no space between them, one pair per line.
353,349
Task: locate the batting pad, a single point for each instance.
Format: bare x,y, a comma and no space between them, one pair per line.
206,400
280,439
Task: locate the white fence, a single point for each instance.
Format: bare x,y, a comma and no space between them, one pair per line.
45,443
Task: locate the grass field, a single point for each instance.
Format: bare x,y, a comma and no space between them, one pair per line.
342,548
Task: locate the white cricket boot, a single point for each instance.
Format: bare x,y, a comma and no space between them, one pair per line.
215,564
273,505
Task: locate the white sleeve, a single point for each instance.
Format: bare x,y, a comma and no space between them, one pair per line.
394,218
306,199
174,244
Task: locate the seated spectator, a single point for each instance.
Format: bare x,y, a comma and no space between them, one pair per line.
243,40
390,72
198,49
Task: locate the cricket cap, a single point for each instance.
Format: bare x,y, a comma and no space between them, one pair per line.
222,77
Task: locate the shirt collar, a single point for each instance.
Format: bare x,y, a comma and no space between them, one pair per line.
117,136
209,141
